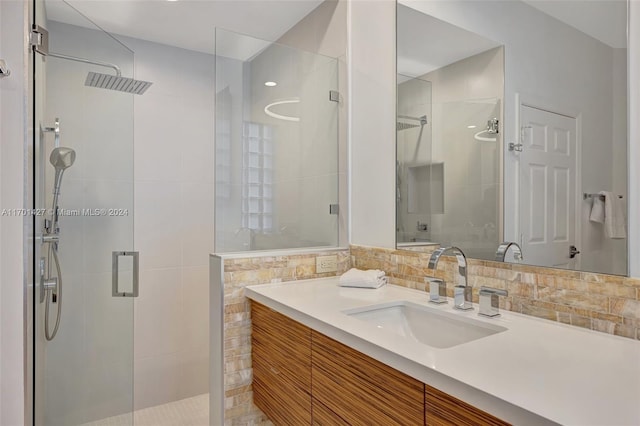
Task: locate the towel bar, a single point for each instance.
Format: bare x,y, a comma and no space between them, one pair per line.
587,196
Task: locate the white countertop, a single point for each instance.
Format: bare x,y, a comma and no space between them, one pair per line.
536,372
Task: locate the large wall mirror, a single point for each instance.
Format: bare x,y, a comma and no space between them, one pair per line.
512,126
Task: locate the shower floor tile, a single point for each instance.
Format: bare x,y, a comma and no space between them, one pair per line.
192,411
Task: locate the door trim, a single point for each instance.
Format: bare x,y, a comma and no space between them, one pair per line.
533,101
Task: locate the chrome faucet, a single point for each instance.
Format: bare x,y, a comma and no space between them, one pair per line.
488,301
462,292
502,251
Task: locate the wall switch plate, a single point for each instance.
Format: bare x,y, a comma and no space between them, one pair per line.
326,264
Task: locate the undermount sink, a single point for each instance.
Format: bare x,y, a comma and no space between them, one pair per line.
425,325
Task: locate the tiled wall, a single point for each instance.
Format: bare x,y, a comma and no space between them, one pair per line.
606,303
239,273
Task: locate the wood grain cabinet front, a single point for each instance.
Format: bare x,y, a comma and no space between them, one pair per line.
361,390
302,377
281,360
443,409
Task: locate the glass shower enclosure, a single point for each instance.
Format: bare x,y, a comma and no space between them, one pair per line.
276,146
84,266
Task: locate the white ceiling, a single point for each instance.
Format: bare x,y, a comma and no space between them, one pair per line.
438,45
188,24
601,19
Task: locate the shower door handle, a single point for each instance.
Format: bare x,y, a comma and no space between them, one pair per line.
115,274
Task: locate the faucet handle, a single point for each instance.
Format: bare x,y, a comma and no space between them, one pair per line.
462,298
437,290
488,301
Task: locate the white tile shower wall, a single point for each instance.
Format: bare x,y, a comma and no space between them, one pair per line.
174,221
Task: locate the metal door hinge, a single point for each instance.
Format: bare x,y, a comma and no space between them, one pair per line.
39,39
515,147
334,96
493,126
333,209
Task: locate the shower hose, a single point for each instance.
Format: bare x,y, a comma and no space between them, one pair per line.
53,252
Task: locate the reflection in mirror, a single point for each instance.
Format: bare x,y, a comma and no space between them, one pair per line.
526,130
449,168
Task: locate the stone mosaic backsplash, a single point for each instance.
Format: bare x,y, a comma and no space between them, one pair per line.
606,303
239,273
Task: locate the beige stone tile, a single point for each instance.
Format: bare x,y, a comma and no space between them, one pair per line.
539,312
632,282
564,317
625,307
580,321
607,317
571,284
603,326
611,289
625,331
603,278
576,299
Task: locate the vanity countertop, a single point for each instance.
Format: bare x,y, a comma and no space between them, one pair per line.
536,372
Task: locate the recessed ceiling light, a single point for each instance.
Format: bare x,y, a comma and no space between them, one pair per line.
270,83
471,127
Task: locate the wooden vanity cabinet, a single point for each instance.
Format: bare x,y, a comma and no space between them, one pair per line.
302,377
281,360
442,409
361,390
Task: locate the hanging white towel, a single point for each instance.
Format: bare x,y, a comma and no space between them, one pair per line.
597,210
372,278
614,221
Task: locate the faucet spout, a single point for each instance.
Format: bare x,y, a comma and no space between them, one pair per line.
504,247
462,292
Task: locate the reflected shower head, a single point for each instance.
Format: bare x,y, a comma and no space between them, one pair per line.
403,125
61,159
116,82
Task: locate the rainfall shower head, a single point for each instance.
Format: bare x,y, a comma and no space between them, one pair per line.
61,159
116,82
107,81
403,125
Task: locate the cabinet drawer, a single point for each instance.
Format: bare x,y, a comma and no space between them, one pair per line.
444,410
282,403
284,343
361,390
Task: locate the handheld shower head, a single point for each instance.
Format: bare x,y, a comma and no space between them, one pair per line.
61,159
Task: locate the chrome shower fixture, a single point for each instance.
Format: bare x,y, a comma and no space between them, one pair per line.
61,159
403,125
116,82
40,43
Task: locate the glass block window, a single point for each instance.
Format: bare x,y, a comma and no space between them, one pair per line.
257,177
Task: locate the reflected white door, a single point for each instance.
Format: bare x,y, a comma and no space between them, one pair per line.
548,214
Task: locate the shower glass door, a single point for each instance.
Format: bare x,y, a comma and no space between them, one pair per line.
84,374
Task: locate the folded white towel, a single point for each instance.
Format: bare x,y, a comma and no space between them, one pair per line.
597,210
614,222
372,278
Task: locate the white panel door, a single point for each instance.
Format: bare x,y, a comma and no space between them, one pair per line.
547,198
